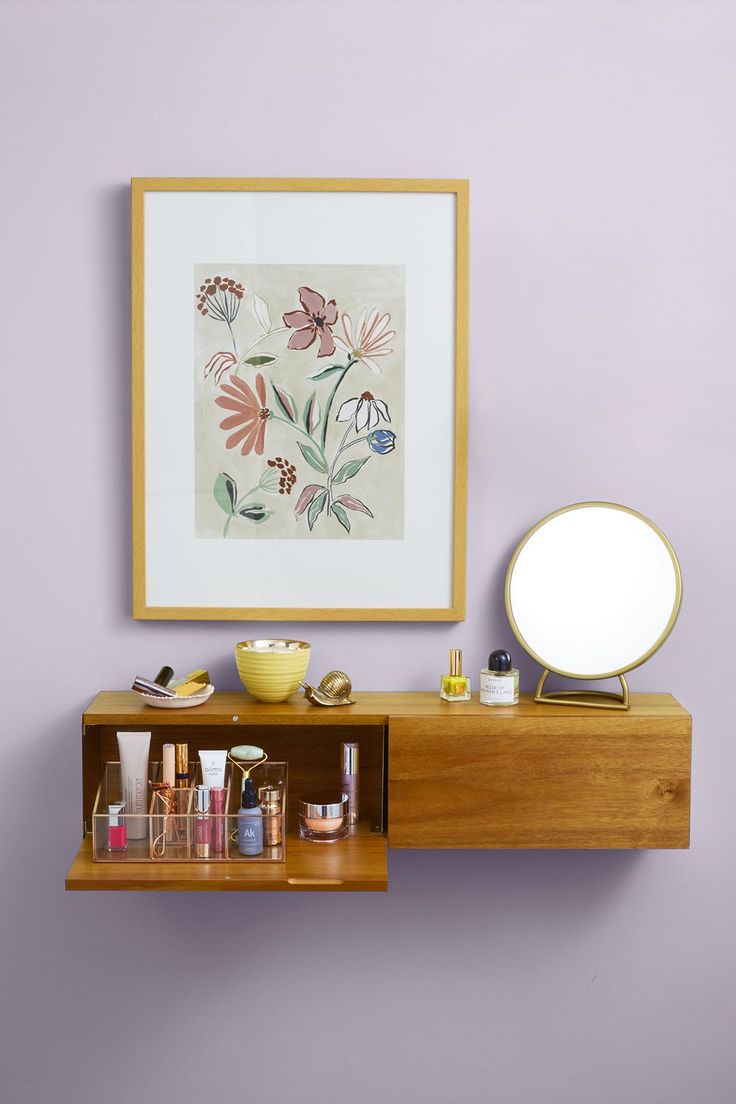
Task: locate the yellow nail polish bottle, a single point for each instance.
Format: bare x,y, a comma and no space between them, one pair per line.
455,687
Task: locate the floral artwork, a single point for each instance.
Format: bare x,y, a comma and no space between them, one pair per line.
299,401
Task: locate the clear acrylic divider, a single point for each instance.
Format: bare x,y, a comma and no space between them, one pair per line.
185,834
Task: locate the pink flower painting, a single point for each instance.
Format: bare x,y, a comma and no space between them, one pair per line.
324,388
315,320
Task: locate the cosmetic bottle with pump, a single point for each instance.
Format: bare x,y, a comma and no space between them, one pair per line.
350,779
455,686
250,821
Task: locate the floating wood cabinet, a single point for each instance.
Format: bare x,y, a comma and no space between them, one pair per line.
541,776
433,775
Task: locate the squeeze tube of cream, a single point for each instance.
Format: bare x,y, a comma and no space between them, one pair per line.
213,767
134,747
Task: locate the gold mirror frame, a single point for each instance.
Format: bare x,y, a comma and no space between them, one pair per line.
598,699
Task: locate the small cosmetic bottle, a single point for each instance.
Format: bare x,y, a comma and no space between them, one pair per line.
350,758
202,823
217,808
455,687
117,833
499,681
250,821
270,798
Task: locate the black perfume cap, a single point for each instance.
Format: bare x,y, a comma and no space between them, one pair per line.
499,660
249,797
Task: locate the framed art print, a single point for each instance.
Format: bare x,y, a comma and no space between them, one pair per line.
299,399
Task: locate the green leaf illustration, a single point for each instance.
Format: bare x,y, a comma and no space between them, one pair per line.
347,471
316,508
255,512
226,492
261,361
312,413
328,371
285,401
313,458
341,516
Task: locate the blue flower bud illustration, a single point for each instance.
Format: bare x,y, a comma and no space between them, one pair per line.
382,441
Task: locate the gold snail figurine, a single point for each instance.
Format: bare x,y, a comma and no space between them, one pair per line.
334,689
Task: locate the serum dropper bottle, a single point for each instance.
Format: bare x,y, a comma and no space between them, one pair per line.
455,686
250,821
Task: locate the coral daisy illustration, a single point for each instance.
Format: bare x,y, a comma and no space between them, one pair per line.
249,417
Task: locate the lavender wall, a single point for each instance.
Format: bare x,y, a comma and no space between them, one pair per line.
599,141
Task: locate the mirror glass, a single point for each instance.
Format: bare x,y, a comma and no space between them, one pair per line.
593,590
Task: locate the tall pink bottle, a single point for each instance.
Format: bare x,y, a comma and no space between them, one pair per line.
217,809
350,755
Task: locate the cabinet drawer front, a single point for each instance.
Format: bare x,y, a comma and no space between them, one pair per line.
554,783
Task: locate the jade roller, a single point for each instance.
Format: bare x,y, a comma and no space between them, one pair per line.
247,757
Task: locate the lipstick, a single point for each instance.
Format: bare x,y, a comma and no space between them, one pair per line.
182,765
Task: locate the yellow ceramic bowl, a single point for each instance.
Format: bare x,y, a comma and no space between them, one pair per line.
271,670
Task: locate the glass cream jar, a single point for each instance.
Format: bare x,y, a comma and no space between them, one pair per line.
324,823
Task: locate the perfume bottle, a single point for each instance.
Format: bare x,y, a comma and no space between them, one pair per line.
499,681
455,687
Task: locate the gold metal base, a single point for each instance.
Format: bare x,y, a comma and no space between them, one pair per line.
594,699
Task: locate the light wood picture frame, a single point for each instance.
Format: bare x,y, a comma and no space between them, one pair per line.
277,323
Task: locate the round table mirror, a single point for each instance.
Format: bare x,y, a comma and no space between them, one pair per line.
592,591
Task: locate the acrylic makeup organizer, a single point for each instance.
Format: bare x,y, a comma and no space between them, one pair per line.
169,837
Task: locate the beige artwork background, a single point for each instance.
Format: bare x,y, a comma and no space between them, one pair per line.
380,482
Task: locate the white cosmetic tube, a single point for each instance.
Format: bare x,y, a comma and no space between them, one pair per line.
213,767
134,747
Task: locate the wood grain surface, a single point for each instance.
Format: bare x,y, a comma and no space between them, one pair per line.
555,779
356,863
459,775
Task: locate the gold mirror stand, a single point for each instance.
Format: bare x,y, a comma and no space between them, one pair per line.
595,699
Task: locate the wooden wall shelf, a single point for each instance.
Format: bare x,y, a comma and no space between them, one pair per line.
458,775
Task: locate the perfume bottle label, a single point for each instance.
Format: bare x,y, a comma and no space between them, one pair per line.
497,688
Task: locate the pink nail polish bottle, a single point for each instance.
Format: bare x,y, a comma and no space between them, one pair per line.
117,833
